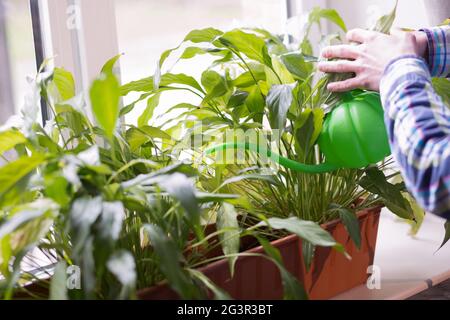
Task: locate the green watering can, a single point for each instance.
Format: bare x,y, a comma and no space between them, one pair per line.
353,136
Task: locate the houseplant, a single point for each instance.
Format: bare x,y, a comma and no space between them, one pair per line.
112,199
258,78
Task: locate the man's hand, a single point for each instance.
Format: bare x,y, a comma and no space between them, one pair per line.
369,58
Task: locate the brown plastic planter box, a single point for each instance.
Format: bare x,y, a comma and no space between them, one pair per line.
331,272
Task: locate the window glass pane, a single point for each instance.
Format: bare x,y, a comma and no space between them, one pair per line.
147,28
19,33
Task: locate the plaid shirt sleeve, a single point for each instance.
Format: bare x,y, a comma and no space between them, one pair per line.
438,51
418,124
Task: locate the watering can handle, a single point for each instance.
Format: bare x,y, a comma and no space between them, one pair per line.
285,162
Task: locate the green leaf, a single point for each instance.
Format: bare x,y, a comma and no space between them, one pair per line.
105,97
25,226
147,115
247,43
351,223
219,294
83,214
214,84
293,290
255,104
384,23
229,240
447,234
110,222
58,284
108,67
170,259
297,65
203,35
142,85
204,197
308,128
121,264
375,182
13,172
181,188
307,230
257,72
442,88
281,70
237,99
252,176
278,101
65,83
181,78
9,139
308,250
137,137
330,14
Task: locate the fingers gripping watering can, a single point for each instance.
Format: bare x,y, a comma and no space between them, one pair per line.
353,136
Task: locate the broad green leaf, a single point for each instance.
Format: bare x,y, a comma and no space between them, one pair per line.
108,67
447,234
251,77
229,240
351,223
214,84
9,139
203,35
247,43
121,264
278,102
219,293
442,88
308,128
307,230
330,14
169,262
13,172
297,65
142,85
58,284
110,221
181,188
105,97
281,70
65,83
418,212
237,99
137,137
375,182
147,115
25,226
308,250
255,104
293,290
384,23
181,78
191,52
83,214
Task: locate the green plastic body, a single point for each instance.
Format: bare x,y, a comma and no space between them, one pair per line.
353,136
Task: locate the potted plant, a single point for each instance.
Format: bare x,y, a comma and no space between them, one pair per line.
115,200
260,83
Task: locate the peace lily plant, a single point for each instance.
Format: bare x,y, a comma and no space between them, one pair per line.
115,200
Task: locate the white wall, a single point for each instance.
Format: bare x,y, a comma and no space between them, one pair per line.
362,13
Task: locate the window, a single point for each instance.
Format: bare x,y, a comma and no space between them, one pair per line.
147,28
20,48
